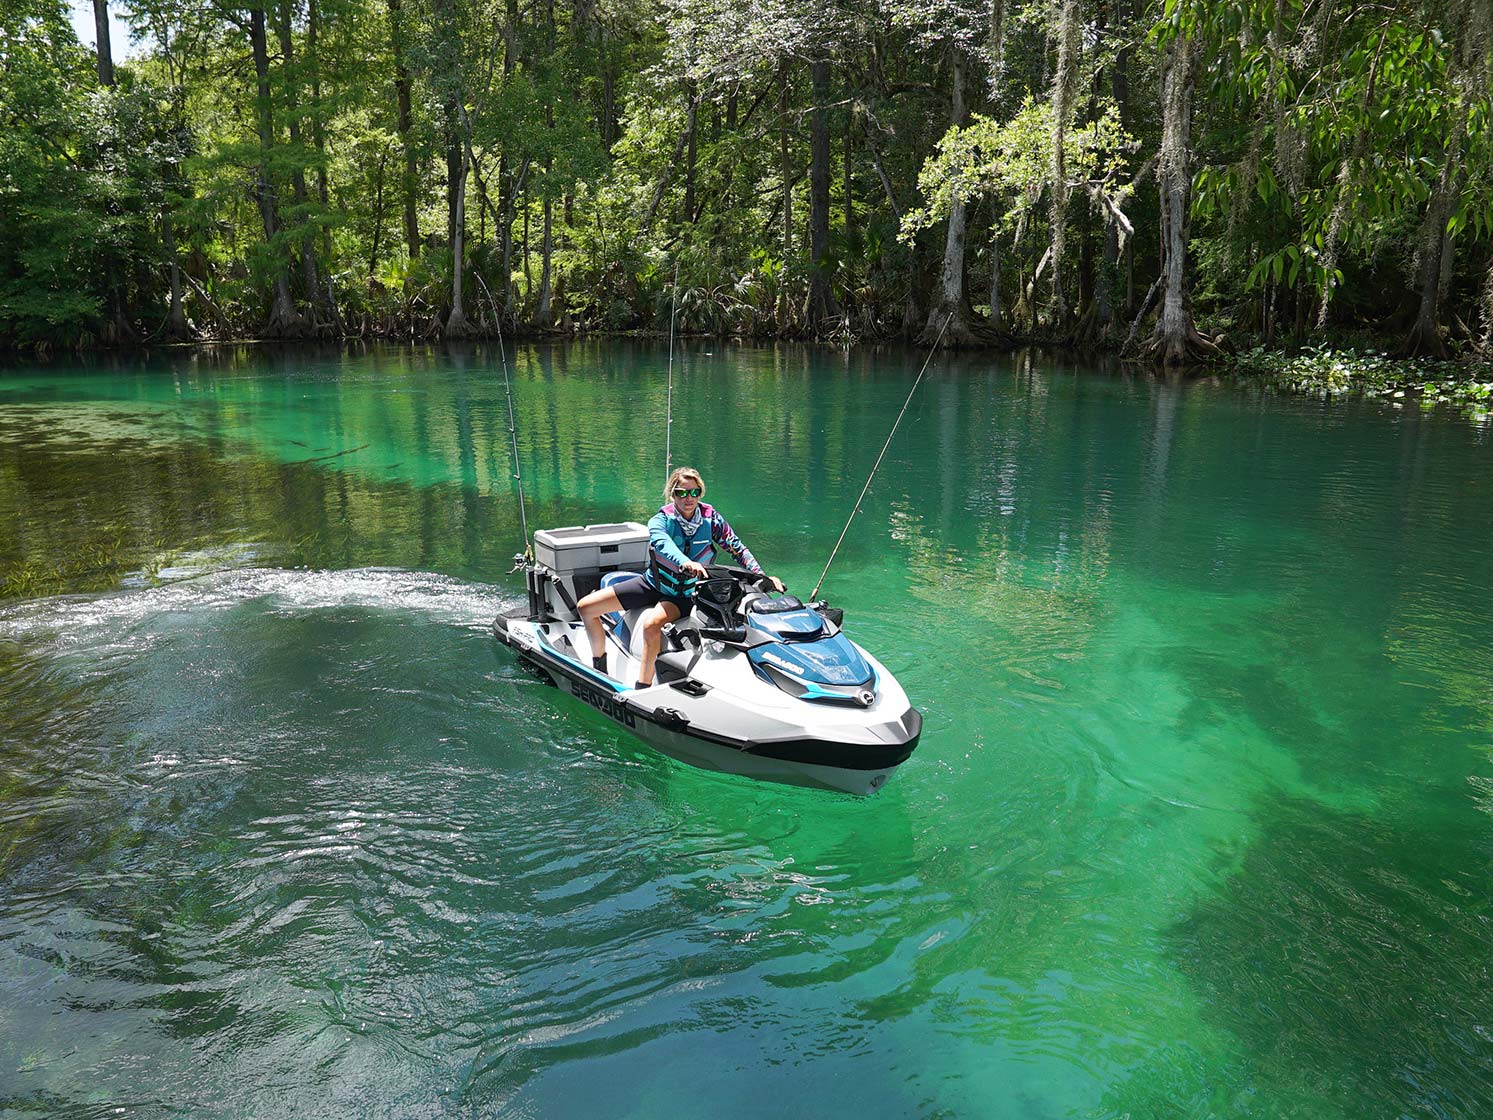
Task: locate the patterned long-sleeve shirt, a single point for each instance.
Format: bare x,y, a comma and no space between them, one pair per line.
671,544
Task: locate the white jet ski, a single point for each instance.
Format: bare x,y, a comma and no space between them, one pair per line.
751,683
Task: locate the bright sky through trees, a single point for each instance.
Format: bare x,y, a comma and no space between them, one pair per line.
119,30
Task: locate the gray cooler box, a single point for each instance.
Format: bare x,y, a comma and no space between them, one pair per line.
579,548
579,555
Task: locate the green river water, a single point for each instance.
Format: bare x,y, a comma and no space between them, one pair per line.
1201,823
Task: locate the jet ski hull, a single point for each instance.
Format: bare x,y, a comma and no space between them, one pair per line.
709,713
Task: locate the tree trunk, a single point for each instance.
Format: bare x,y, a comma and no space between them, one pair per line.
546,273
528,265
1062,100
178,329
688,216
997,317
319,138
505,233
821,299
1109,268
686,142
284,320
949,317
1120,90
449,79
1120,73
1427,338
547,248
848,154
378,215
456,323
851,279
101,32
455,176
787,202
1176,341
506,187
886,182
310,276
405,126
1104,310
1485,311
608,94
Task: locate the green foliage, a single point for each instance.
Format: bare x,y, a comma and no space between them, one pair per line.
1011,163
1339,143
1328,157
75,179
1326,372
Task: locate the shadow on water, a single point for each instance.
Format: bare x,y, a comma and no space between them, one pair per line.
1348,955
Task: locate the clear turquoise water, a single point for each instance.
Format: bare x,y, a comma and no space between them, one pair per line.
1199,826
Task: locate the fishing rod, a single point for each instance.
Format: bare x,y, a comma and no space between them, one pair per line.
815,593
527,554
669,407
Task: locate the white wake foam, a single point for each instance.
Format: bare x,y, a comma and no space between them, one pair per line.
437,598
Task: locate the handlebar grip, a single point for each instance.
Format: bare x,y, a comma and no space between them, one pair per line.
719,634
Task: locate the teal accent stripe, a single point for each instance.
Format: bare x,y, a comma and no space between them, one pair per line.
599,678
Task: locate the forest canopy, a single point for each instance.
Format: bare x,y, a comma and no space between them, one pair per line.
1166,178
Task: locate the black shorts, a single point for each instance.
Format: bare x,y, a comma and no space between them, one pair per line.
638,592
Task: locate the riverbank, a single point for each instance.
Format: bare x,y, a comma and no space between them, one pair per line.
1320,371
1323,371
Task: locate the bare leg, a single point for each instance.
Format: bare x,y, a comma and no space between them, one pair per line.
592,607
653,628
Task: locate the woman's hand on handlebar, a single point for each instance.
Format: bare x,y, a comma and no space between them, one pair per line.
777,584
696,570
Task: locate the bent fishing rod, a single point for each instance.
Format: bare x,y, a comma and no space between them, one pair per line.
815,593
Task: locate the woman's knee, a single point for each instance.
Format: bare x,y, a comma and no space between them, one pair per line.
598,603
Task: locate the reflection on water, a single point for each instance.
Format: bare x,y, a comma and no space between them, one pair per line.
1198,824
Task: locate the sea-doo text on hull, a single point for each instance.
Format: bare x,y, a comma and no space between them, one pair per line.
749,684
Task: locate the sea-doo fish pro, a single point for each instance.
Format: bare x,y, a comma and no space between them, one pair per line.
751,683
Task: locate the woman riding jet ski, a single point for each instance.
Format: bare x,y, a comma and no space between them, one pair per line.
726,675
682,540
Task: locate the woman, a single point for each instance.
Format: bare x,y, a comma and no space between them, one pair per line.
682,539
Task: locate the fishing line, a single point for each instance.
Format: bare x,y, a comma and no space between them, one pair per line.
669,407
518,474
815,593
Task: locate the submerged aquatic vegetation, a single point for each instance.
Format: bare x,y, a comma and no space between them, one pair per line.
1326,372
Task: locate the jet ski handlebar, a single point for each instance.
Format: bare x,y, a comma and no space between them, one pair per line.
731,635
760,580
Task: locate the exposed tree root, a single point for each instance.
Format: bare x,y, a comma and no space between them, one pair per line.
289,326
1427,340
1181,348
964,330
1090,332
